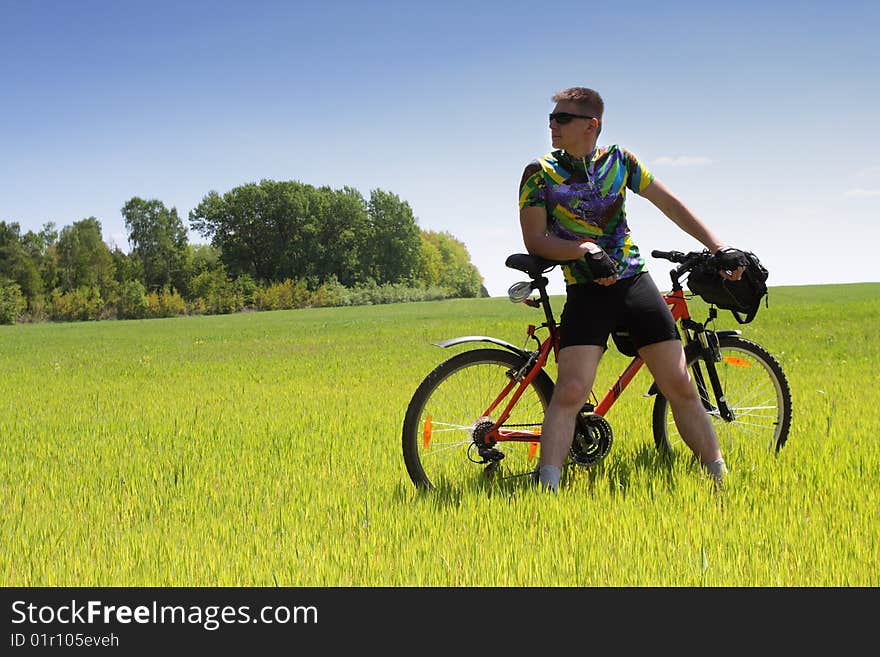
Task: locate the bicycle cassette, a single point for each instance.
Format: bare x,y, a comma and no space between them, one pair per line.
592,440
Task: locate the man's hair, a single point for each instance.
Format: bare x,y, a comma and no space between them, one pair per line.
588,100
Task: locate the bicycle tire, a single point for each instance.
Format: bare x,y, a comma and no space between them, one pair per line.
756,390
451,400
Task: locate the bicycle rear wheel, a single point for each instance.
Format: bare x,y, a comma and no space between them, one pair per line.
450,405
756,390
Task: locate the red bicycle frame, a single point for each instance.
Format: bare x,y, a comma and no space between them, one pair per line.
521,380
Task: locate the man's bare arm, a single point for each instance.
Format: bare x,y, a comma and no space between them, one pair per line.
681,215
533,221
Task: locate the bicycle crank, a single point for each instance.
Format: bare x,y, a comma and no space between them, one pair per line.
592,440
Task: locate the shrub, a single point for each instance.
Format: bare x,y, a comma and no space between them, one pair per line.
165,303
331,293
82,303
217,293
37,310
132,300
282,296
245,288
12,302
372,294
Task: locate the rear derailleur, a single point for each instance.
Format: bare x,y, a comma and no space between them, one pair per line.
484,444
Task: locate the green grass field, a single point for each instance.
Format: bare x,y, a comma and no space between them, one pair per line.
263,449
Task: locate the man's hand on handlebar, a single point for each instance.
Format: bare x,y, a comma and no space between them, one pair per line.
731,263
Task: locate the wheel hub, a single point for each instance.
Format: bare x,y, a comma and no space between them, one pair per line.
484,442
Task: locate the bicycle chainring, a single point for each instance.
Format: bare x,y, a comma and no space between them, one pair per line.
592,440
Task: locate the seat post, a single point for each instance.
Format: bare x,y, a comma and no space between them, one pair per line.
541,286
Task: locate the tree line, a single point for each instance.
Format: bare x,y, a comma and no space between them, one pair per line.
270,245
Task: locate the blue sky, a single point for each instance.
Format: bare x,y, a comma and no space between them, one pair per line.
761,116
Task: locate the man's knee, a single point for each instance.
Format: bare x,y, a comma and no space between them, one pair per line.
570,394
679,390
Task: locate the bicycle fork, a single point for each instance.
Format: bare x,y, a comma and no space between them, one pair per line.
709,353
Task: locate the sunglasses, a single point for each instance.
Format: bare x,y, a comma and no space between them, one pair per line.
567,117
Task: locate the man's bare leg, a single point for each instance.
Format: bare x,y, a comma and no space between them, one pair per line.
576,372
668,365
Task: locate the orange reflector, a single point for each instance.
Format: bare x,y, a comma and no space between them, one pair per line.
738,362
426,432
533,447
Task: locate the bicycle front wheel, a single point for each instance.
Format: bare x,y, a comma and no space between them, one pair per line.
452,403
756,390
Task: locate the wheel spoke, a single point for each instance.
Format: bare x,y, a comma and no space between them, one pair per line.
453,400
756,392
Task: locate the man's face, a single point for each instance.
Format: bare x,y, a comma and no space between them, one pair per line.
571,126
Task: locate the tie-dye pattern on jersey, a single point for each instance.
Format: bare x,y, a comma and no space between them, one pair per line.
584,198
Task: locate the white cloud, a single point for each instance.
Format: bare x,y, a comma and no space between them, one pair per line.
683,161
862,193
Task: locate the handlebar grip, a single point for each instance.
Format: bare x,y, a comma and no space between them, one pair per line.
672,256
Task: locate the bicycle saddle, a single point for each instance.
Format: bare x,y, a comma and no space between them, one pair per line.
534,266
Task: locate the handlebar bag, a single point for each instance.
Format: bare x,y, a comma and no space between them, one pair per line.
742,297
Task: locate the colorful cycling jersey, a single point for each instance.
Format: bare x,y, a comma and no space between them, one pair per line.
584,199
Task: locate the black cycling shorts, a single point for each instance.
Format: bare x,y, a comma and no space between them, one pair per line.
634,304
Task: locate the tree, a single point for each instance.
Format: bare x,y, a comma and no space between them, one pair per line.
341,229
158,239
84,259
129,268
290,230
255,226
16,262
393,247
447,259
279,230
430,267
12,303
43,249
200,258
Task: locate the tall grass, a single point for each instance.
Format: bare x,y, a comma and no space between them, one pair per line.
263,449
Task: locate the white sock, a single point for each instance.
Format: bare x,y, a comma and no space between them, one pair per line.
549,476
717,468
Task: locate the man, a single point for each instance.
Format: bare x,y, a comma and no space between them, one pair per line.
572,208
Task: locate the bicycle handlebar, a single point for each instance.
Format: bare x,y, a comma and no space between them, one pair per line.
686,261
535,266
672,256
678,256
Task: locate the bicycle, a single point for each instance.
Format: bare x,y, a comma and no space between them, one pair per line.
483,408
